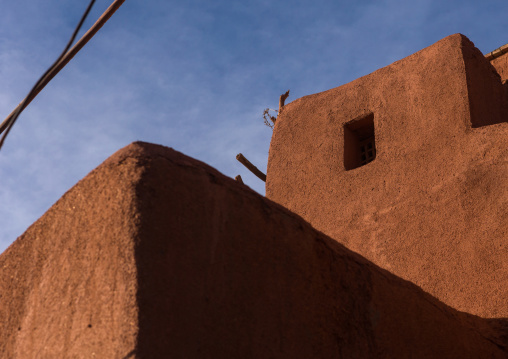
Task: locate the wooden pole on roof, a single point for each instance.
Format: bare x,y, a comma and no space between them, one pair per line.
66,59
282,99
251,167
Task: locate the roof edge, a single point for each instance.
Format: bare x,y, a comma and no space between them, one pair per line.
497,53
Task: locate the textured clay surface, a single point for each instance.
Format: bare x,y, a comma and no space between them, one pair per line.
68,284
432,207
157,255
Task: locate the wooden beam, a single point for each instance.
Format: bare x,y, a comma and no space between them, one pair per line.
282,99
251,167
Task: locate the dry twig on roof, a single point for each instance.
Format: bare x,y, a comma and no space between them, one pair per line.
269,119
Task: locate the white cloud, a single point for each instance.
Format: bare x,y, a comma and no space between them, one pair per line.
192,75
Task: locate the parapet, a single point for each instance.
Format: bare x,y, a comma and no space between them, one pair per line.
499,59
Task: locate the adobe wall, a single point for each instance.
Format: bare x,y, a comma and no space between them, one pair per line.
157,255
433,205
68,285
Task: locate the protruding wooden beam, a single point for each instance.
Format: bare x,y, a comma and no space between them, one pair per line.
251,167
282,99
239,179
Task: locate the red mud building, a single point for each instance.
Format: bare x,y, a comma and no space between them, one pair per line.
408,167
383,235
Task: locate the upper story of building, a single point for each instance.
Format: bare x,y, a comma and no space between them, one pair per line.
404,163
406,126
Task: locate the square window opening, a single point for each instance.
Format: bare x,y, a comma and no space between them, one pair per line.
359,142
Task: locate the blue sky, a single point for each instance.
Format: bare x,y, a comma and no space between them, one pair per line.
194,75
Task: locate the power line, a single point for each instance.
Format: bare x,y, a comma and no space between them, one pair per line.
60,63
12,119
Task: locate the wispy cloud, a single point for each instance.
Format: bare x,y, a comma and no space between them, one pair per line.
192,75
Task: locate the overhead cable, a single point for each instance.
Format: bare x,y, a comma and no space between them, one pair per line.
60,63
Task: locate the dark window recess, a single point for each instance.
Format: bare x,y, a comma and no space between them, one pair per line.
359,142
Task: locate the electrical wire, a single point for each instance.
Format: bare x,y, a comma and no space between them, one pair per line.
34,89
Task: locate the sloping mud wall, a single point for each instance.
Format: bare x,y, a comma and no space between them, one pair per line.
157,255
